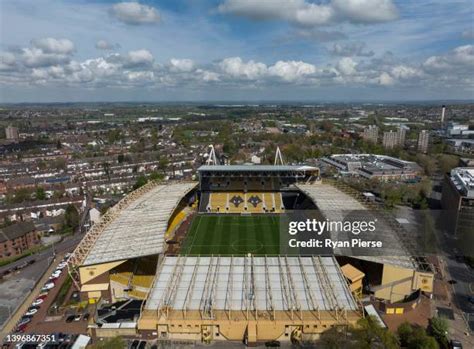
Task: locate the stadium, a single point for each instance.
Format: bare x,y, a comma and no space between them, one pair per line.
201,261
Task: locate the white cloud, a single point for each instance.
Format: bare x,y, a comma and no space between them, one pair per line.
52,45
458,58
346,66
135,13
366,11
291,70
33,57
235,67
181,65
304,13
385,79
139,57
7,61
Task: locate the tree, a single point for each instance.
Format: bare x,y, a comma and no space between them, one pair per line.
111,343
71,217
404,332
439,329
370,334
141,181
447,162
420,340
40,193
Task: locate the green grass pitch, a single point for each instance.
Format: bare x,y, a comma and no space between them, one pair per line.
233,235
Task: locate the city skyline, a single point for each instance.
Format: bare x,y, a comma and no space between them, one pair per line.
235,50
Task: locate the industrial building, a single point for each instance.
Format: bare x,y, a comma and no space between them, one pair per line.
371,166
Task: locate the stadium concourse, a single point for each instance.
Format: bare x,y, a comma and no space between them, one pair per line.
200,261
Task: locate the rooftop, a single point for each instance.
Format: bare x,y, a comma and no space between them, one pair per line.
335,205
255,168
463,180
139,229
250,283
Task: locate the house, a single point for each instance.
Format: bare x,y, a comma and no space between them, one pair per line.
17,238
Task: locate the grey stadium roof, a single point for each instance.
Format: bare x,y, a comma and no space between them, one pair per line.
254,283
255,168
139,230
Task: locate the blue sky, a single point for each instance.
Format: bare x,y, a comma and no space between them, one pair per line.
79,50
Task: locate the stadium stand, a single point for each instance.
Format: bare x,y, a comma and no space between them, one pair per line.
245,202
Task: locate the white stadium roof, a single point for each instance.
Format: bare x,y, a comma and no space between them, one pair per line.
139,230
335,206
250,283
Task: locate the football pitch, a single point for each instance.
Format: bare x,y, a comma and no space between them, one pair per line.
233,235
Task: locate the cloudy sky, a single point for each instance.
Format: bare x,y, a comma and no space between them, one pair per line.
188,50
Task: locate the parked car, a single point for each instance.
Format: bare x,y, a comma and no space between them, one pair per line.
86,316
31,312
454,344
48,286
134,344
70,318
37,302
77,317
61,265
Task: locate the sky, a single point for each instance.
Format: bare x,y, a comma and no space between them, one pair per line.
236,50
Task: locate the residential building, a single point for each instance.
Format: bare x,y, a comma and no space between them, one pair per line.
423,141
11,133
390,139
17,238
371,133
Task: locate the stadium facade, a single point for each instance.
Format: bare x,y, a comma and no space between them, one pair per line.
189,254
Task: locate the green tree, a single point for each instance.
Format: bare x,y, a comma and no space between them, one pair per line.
439,329
40,193
71,217
141,181
369,334
420,340
404,332
447,162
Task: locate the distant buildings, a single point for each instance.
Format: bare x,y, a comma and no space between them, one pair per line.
17,238
381,167
458,130
11,133
390,139
402,133
371,133
458,202
423,141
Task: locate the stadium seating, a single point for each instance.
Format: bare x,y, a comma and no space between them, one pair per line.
245,202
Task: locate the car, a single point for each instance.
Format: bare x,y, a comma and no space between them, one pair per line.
47,286
42,295
142,345
86,316
134,344
37,302
61,265
272,344
56,273
470,299
52,278
31,312
454,344
24,321
21,328
77,317
70,318
452,282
